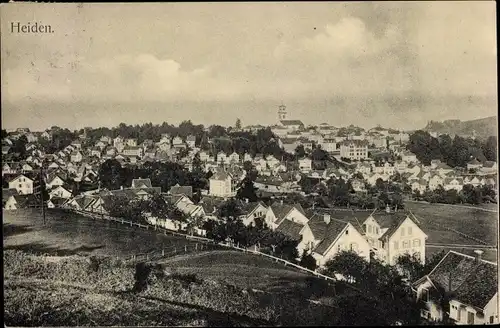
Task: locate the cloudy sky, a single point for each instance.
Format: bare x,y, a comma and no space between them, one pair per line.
395,64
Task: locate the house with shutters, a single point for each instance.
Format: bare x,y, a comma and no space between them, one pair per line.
468,282
392,234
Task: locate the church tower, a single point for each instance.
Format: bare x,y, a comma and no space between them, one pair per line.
282,112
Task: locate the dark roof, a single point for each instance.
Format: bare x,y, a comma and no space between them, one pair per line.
480,285
354,218
473,282
281,210
291,229
185,190
6,193
247,208
327,233
291,122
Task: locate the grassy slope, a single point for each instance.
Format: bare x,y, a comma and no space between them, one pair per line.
474,222
42,290
63,235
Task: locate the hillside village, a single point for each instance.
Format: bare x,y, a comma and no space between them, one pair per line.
295,195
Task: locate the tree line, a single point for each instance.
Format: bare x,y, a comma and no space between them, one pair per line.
456,152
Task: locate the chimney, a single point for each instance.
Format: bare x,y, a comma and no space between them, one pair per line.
478,253
387,209
326,218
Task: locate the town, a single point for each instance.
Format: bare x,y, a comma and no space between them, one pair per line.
307,194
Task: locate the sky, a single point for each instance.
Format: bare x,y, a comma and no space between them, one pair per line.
369,63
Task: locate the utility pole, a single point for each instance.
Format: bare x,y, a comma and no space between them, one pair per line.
41,187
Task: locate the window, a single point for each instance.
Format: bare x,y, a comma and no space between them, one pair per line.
369,228
424,295
416,243
354,247
406,244
492,319
470,318
402,231
20,185
376,230
347,232
409,231
395,245
339,248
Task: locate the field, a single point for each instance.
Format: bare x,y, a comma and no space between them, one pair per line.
63,235
476,223
38,287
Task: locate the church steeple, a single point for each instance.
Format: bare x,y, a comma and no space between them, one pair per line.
282,112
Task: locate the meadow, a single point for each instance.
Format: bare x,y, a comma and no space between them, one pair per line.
70,290
69,233
474,222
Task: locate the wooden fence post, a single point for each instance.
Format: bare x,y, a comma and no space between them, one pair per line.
163,252
185,248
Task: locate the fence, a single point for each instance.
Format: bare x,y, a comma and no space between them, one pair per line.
206,242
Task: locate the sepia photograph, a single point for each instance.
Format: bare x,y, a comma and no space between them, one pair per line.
246,164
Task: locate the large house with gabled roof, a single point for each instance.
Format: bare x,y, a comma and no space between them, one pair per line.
470,284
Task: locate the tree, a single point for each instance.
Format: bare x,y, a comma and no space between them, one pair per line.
247,190
111,174
238,124
300,152
348,264
490,148
308,261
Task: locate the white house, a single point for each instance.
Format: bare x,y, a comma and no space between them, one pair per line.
453,183
22,184
222,184
60,192
392,234
305,164
251,211
278,212
191,141
471,284
330,236
354,149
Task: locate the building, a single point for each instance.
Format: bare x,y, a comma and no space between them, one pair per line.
305,164
284,122
354,149
222,184
470,284
330,236
22,184
191,141
392,234
133,151
278,212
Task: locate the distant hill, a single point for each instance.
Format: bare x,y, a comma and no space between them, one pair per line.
483,127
